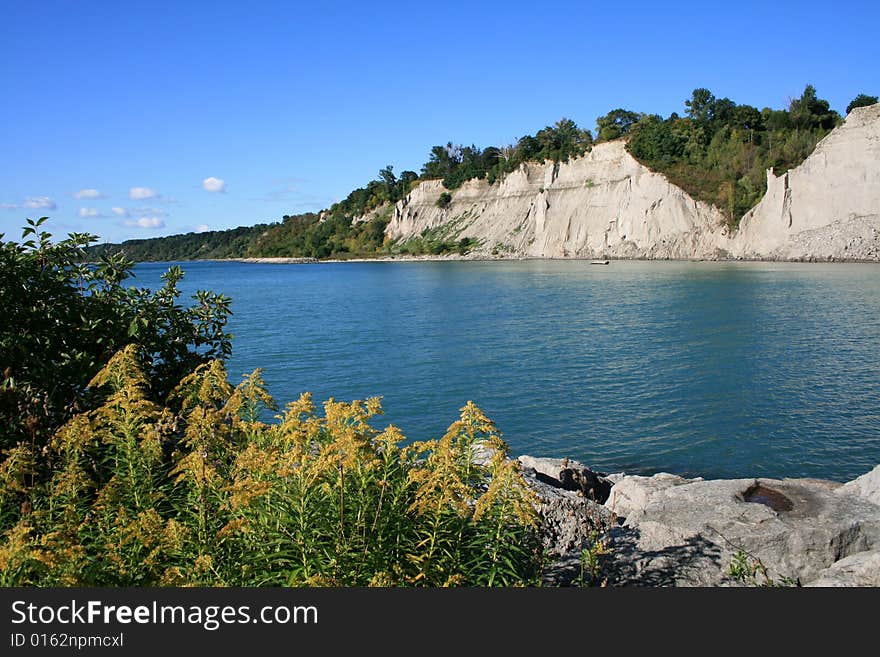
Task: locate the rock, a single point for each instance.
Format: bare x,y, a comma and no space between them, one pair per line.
867,486
568,519
631,493
547,466
861,569
685,534
570,475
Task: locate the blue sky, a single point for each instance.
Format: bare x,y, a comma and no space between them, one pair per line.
139,119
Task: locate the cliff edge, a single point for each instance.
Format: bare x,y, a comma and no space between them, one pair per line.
826,208
607,204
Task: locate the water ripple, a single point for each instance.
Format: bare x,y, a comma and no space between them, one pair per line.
712,369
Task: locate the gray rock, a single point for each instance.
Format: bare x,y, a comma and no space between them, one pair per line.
860,569
867,486
570,475
685,534
567,518
631,493
548,466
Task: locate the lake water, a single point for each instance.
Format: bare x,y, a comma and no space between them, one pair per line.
711,369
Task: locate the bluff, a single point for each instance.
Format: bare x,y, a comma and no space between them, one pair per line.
607,204
829,206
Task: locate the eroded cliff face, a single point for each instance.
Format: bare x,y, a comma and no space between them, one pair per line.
606,204
828,207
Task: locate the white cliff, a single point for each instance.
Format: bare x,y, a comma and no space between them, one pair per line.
602,203
826,208
608,204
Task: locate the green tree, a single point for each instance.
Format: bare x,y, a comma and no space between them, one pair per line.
615,124
810,112
701,106
562,141
861,100
442,161
389,180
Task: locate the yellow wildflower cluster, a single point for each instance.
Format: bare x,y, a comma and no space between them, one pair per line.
204,490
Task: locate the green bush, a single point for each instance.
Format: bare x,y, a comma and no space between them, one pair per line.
64,317
444,200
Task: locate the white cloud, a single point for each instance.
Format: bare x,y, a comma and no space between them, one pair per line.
39,203
213,184
147,222
88,193
88,212
119,212
203,228
142,193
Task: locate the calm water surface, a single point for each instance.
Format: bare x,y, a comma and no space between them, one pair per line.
712,369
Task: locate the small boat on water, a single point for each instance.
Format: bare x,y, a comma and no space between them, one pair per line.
599,262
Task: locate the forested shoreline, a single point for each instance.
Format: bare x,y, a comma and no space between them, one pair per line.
718,151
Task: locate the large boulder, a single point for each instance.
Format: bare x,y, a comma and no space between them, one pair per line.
686,534
867,486
568,518
631,493
860,569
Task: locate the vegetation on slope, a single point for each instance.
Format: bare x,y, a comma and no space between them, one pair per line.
213,244
718,152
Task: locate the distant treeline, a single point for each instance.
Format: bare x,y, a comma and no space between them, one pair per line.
717,151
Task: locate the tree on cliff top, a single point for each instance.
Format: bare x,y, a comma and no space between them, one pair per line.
616,124
861,101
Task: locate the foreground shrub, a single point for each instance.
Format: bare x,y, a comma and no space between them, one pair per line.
209,494
64,317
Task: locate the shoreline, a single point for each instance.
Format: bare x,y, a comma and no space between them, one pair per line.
668,530
489,258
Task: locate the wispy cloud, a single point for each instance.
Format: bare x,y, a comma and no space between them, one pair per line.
203,228
32,203
89,212
281,192
137,213
146,212
290,180
88,193
142,193
212,184
146,222
290,190
39,203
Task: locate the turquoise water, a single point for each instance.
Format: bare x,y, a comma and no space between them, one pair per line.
711,369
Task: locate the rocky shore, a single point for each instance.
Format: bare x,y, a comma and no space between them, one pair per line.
666,530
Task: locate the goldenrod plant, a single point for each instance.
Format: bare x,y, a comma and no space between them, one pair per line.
202,491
